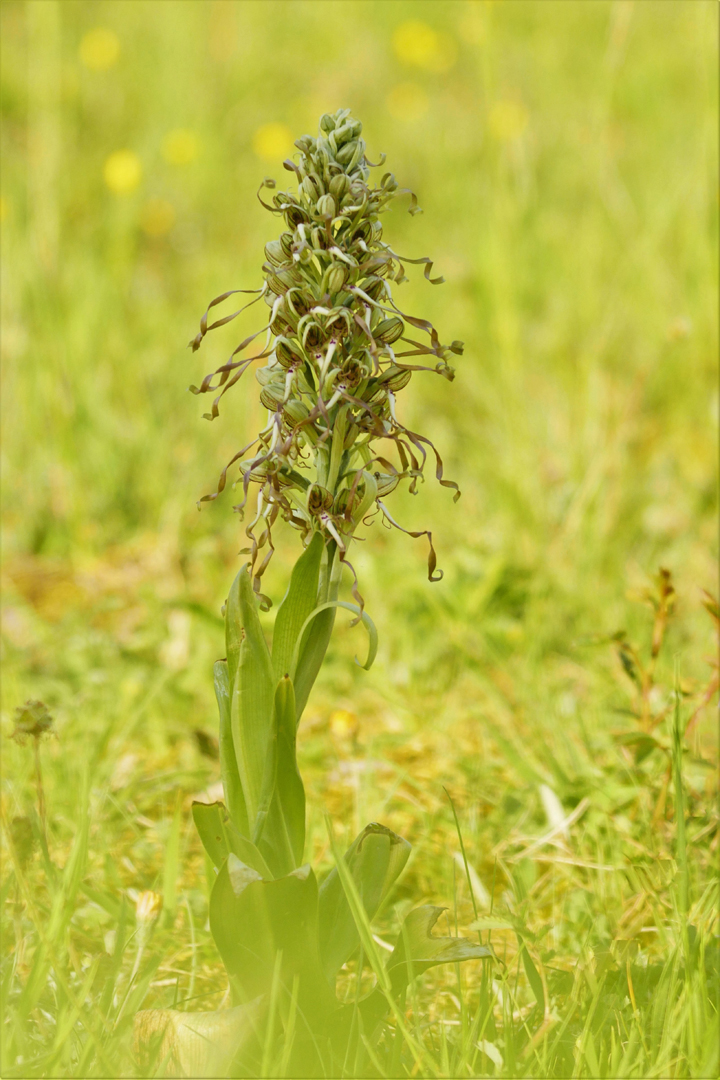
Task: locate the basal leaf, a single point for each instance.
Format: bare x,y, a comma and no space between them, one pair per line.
252,921
196,1043
300,599
375,859
417,949
228,761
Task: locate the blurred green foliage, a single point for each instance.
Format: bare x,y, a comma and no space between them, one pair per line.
566,158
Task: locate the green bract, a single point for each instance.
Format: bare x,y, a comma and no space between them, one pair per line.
337,352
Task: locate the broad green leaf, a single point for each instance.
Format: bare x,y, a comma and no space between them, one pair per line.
283,837
196,1043
253,920
253,692
417,949
220,838
299,601
375,859
228,761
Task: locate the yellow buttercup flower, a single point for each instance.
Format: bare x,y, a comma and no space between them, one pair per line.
180,147
272,141
99,49
157,217
122,172
507,120
418,45
407,101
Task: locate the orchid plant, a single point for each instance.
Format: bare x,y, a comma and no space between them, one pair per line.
336,353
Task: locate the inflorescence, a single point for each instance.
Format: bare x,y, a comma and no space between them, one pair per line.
336,355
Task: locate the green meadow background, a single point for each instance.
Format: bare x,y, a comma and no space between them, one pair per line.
565,155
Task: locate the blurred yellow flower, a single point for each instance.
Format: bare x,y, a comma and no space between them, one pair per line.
272,141
507,120
343,724
99,49
157,217
407,101
417,44
148,906
180,147
122,172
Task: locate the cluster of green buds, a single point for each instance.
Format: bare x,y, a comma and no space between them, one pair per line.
336,353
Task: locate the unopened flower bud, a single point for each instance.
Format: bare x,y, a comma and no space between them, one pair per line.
274,252
374,287
288,352
326,206
346,153
271,396
295,411
395,378
337,276
339,185
389,330
347,132
310,189
327,123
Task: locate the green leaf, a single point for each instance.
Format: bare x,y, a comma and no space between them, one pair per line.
417,949
196,1044
375,860
305,670
299,601
220,838
283,837
300,650
228,762
253,920
233,628
253,693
